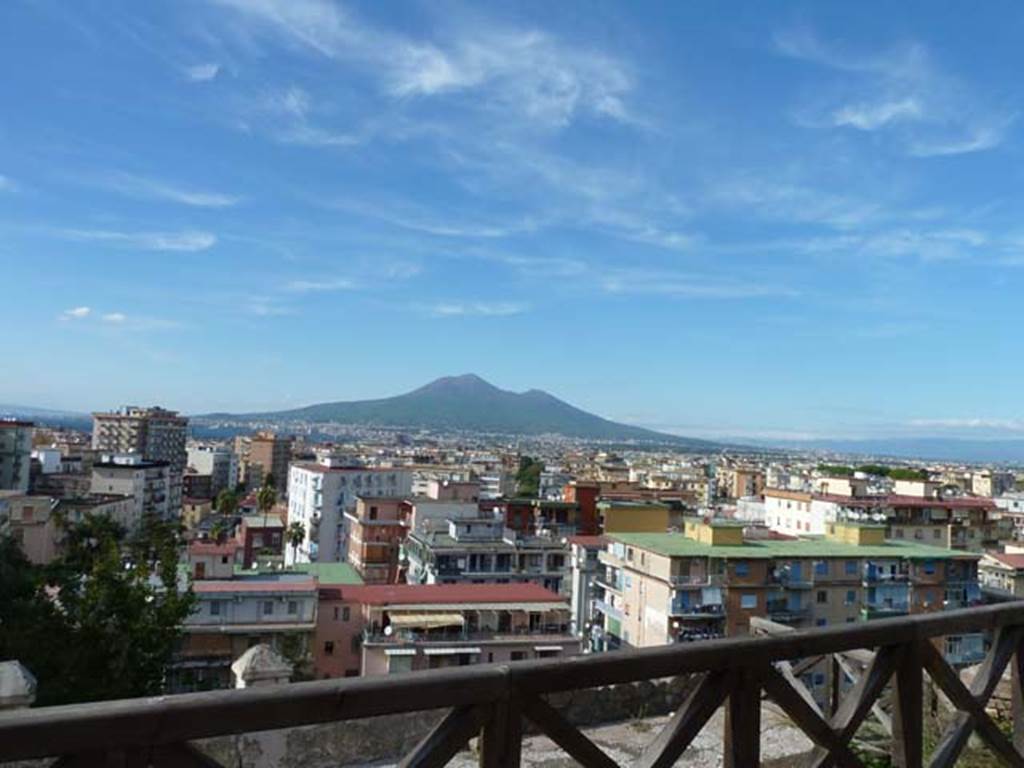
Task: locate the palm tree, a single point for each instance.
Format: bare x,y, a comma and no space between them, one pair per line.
266,497
227,503
296,535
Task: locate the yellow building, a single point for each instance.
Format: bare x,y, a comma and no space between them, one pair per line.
635,517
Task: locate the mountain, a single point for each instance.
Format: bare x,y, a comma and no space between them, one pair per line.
1004,451
469,403
47,417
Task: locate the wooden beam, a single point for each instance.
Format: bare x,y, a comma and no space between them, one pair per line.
807,718
564,734
907,713
1017,697
447,738
857,703
880,714
743,721
501,738
971,703
687,722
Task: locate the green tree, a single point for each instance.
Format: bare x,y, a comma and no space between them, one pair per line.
103,620
266,498
295,535
227,502
528,477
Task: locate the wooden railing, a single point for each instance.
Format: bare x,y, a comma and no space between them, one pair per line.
492,701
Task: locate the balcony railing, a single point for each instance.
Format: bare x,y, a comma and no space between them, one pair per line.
493,700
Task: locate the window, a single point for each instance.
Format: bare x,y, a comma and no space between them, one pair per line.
821,568
335,613
257,540
268,607
223,559
822,597
851,596
293,607
820,623
743,569
748,601
518,655
346,613
936,533
851,567
373,513
329,647
899,533
929,566
215,607
357,642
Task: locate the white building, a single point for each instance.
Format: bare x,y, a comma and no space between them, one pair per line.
147,482
217,461
319,495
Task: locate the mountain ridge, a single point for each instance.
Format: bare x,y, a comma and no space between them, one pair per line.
469,402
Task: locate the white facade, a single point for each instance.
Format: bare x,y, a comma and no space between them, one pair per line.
218,461
430,515
49,459
147,482
319,495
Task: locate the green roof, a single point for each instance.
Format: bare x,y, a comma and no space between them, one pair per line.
330,573
678,545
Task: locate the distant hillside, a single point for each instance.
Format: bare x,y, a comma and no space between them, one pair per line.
472,404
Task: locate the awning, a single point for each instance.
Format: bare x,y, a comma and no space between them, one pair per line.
542,648
449,651
399,651
425,620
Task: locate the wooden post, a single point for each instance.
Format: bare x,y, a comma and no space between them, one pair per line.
907,716
742,734
1017,698
501,738
837,682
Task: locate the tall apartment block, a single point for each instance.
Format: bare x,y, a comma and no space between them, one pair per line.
273,453
155,434
15,455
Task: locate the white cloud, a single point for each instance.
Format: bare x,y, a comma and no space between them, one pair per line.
184,241
320,286
900,90
869,117
148,188
115,318
482,309
522,72
200,73
76,313
682,285
975,423
794,203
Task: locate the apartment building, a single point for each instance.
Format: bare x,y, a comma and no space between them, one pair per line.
377,529
915,512
482,550
636,516
1002,573
272,452
709,582
155,434
232,615
218,462
15,455
319,495
561,518
30,522
412,627
148,483
584,553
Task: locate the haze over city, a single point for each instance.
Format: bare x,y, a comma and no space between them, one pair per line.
704,220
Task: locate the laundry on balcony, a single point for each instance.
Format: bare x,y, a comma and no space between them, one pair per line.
421,620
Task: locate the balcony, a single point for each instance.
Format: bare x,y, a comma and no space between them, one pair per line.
681,610
492,701
600,606
886,609
512,634
875,575
785,612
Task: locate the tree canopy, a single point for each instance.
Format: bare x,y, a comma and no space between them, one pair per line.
528,477
100,622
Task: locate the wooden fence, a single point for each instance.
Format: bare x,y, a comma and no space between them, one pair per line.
492,701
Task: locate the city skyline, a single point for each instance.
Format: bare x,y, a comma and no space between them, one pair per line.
704,223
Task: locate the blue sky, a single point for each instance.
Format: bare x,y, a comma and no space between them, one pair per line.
776,220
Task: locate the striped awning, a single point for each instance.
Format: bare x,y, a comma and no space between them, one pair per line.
423,620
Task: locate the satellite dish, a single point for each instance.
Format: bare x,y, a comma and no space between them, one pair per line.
387,630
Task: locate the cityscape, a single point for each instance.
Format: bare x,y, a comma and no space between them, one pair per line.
427,384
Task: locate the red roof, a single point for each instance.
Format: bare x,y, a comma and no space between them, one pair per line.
237,585
588,541
419,594
1011,561
211,548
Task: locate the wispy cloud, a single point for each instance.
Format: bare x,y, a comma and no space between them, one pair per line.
115,318
321,286
785,201
476,308
144,187
76,313
971,423
690,286
184,241
903,91
417,219
524,72
201,73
